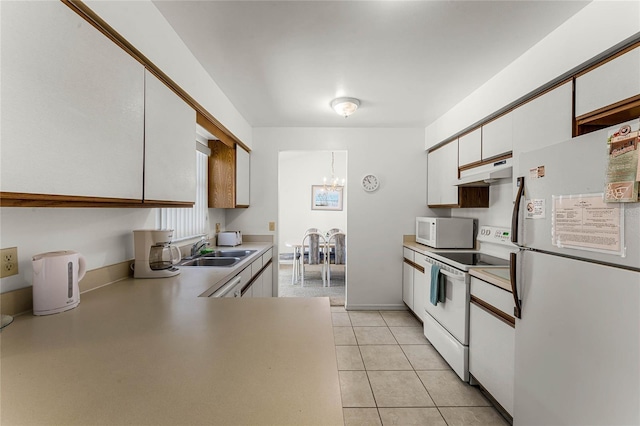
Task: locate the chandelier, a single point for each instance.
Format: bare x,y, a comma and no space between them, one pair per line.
333,184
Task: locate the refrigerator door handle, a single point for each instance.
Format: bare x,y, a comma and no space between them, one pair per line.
517,305
516,211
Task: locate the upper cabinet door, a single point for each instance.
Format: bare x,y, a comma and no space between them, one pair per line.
170,145
72,106
543,121
497,136
614,81
470,148
442,172
243,166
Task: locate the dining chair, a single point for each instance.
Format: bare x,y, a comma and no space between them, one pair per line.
338,252
316,254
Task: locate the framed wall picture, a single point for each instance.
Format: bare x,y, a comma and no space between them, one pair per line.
326,199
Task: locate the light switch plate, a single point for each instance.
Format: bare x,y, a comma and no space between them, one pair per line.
9,264
272,226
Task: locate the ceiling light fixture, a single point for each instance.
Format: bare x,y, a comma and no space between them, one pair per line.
345,106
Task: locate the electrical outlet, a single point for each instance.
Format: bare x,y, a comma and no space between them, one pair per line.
272,226
217,228
9,258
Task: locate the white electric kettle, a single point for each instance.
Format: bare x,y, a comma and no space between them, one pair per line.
55,281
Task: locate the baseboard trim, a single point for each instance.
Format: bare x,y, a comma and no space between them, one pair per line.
357,307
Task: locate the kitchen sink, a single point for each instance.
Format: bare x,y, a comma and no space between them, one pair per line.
229,253
210,261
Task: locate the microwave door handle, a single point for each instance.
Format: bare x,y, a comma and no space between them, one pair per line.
517,304
516,211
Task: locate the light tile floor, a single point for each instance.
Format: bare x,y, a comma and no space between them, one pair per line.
391,375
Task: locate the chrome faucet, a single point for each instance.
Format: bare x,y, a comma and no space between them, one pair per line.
198,245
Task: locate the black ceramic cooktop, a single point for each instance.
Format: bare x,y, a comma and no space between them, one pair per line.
475,259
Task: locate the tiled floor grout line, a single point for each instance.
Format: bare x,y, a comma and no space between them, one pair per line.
362,321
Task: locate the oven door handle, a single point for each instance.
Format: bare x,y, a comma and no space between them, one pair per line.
459,277
452,276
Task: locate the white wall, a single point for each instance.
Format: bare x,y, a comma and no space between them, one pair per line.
376,221
298,171
103,235
594,29
142,24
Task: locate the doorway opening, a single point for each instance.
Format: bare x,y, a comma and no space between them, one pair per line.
304,203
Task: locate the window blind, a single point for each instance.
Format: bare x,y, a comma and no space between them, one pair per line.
193,222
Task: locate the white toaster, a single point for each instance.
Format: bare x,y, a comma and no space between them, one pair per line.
230,238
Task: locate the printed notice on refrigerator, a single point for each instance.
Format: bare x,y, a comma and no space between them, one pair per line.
535,209
586,222
623,169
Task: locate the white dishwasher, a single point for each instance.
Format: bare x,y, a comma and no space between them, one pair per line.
492,334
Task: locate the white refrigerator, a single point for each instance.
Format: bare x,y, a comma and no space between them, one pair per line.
577,355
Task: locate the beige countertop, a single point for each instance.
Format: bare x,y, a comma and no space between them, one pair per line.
150,351
496,276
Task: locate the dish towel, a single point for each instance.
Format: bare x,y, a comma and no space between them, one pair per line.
435,285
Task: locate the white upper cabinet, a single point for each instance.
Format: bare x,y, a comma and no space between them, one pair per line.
243,163
442,171
170,145
72,106
470,148
543,121
614,81
497,136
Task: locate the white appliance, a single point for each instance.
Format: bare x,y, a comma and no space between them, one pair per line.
445,232
155,257
446,324
577,342
232,289
55,281
230,238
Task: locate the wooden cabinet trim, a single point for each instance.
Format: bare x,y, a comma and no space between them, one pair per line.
222,175
485,162
414,265
101,25
619,112
607,59
19,199
493,311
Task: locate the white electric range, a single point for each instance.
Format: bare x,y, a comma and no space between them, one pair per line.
446,324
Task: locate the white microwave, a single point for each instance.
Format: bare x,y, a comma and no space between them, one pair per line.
445,232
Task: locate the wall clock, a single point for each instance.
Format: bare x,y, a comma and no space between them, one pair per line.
370,183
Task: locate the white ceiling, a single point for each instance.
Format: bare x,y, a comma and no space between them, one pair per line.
282,62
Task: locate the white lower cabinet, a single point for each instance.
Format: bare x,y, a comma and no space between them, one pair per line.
492,341
414,282
407,277
262,276
421,275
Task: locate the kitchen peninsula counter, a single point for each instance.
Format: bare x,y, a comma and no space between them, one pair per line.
150,351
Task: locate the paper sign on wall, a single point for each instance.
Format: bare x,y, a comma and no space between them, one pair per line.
586,222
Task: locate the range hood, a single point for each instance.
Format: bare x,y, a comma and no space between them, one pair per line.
486,174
